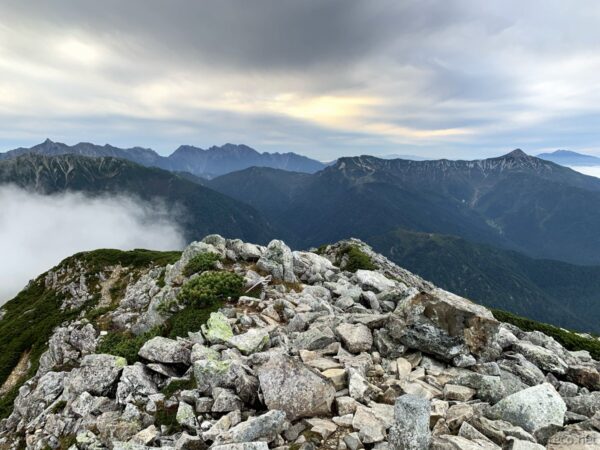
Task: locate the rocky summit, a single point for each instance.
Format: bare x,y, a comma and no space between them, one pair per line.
236,346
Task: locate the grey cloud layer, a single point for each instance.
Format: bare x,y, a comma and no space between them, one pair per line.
439,77
37,232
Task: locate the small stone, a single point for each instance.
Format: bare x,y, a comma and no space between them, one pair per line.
322,427
356,338
346,405
185,416
458,393
337,377
370,428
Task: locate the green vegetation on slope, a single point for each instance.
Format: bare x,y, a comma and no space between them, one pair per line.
549,291
200,263
210,288
570,340
31,317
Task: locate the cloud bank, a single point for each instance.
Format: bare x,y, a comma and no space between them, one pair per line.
442,78
37,231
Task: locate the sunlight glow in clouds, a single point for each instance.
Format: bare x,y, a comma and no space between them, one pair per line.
440,78
38,231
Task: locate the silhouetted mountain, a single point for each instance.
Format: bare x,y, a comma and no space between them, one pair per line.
515,201
569,158
199,210
564,294
230,158
203,163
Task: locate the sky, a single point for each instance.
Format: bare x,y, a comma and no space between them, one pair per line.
324,78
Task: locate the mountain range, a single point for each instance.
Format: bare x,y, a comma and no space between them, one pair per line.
205,163
515,201
564,294
197,209
510,232
569,158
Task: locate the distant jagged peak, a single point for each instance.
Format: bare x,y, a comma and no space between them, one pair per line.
516,153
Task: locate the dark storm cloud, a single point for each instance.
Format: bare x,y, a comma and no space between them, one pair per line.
321,77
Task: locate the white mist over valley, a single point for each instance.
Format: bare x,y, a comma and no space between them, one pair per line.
38,231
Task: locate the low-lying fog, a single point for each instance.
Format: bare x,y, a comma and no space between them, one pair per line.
593,171
38,231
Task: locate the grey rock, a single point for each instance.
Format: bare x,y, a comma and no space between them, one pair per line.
315,338
242,446
168,351
376,281
532,408
410,430
574,440
356,338
265,427
445,325
135,384
254,340
97,375
585,404
543,358
283,378
491,388
278,261
186,416
370,428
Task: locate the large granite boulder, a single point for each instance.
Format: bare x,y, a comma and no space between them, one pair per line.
410,430
168,351
532,408
290,386
445,325
278,261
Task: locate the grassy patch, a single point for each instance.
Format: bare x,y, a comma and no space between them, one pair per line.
177,386
568,339
167,417
97,260
126,344
28,324
357,259
188,319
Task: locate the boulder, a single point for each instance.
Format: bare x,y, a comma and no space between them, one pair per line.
445,325
543,358
410,430
532,408
186,416
371,280
98,375
290,386
310,267
135,384
163,350
356,338
242,446
370,428
254,340
278,261
265,427
585,376
217,329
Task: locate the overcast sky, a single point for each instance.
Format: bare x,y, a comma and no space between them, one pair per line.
324,78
